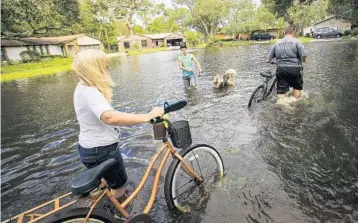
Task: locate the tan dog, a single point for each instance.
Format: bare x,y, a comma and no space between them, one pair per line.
227,79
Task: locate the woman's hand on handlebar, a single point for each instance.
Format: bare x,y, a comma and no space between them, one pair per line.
156,112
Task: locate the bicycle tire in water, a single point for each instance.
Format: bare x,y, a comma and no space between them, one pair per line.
259,97
78,215
193,155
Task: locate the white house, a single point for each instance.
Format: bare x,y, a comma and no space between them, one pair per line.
150,40
66,46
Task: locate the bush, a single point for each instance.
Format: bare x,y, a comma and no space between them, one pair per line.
213,40
162,44
347,32
136,46
29,56
354,32
192,38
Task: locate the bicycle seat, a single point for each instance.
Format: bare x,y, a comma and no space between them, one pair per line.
267,74
89,179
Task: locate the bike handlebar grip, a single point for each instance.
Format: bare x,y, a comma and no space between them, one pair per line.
154,120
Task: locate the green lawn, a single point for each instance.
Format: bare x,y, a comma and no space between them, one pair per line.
147,50
26,70
302,38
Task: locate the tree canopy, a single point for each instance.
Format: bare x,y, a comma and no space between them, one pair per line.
107,19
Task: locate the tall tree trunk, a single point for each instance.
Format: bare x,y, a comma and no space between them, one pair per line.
107,40
130,29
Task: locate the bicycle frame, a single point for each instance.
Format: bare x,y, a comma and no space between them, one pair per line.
104,191
267,88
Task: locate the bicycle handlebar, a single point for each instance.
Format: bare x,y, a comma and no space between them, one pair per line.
170,108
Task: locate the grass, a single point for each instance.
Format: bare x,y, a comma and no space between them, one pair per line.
148,50
303,39
198,46
238,43
26,70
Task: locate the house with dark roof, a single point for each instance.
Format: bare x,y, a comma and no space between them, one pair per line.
333,22
150,40
66,46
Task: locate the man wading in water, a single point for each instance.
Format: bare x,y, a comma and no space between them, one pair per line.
186,65
289,54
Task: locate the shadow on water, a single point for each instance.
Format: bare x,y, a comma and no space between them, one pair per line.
296,164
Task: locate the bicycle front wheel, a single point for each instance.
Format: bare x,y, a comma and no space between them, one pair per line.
273,86
257,96
78,215
183,192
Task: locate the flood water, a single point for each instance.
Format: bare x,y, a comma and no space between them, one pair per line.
295,164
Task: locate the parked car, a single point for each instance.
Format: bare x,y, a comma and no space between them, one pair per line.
326,32
263,36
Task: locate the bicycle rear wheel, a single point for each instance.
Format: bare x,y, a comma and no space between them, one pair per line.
78,215
183,192
257,96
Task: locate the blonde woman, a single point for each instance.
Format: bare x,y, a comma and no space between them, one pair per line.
98,139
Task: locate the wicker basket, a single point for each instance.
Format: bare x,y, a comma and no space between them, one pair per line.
180,135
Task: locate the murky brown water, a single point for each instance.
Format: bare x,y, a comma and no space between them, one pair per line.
296,164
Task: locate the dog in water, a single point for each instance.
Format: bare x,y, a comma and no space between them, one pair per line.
227,79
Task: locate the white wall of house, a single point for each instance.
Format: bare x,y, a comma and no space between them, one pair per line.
86,40
55,50
14,52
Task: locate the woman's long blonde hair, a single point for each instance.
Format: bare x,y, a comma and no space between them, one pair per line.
92,68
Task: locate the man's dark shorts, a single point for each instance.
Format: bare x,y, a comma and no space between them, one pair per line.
116,177
289,77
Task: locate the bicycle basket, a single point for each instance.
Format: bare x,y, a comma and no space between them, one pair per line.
180,134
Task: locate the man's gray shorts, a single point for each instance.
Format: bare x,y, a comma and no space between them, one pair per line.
189,80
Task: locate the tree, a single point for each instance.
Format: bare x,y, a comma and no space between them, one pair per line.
242,17
345,9
163,24
170,20
206,15
126,10
245,18
263,19
192,37
138,29
24,18
280,7
304,15
181,17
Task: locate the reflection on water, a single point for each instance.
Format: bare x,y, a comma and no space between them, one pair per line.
282,165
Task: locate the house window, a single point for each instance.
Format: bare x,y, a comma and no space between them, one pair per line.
126,45
144,43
